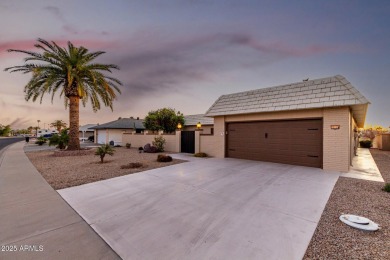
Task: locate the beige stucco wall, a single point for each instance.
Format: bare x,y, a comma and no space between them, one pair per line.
336,143
138,140
214,145
206,129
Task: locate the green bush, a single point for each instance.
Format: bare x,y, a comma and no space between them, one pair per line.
200,155
41,140
164,158
366,144
103,150
60,140
387,187
159,142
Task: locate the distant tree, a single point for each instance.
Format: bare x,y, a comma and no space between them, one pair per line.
5,130
165,119
58,124
36,130
74,73
369,132
30,129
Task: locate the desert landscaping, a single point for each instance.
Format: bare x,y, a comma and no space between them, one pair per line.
68,171
335,240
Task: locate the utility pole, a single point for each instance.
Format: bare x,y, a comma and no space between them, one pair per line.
38,126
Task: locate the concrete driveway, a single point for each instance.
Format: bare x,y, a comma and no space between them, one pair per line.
207,209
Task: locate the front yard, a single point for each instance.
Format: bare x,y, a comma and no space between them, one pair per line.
335,240
69,171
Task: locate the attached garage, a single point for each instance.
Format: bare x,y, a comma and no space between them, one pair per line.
297,142
113,131
307,123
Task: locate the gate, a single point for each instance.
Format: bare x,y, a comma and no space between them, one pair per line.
187,142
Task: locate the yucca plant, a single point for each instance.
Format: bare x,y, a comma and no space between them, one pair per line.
73,73
103,150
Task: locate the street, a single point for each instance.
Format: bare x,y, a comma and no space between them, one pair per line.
7,141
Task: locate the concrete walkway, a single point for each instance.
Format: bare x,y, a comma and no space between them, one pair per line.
207,209
35,218
364,167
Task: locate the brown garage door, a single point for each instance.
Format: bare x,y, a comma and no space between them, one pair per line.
297,142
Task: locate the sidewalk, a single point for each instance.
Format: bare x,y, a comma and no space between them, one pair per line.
34,216
364,167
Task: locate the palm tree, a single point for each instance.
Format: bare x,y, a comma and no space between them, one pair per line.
58,124
70,71
103,150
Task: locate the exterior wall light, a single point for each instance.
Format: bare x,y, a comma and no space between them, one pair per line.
198,125
335,127
179,126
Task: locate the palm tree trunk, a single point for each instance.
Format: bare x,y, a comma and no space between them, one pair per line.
74,114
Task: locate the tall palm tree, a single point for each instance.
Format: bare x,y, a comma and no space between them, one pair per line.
72,72
58,124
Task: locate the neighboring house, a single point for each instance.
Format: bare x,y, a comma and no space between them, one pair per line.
207,123
43,132
308,123
113,131
86,131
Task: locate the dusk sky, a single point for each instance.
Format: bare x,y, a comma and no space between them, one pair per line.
185,54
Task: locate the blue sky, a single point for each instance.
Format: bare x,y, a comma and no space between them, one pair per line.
185,54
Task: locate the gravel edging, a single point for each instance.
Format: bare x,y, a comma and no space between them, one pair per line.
68,171
335,240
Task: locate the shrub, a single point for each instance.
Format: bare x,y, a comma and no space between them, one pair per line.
128,145
164,158
132,165
159,142
41,140
200,155
140,148
61,140
366,143
387,187
103,150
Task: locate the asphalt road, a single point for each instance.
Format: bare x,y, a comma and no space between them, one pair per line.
10,140
4,142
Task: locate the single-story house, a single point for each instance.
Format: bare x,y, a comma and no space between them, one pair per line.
113,131
86,131
307,123
191,121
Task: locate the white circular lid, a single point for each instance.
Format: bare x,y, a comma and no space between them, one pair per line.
370,226
357,219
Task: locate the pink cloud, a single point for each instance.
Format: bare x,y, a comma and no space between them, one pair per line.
28,45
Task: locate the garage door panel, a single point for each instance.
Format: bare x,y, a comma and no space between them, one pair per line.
290,142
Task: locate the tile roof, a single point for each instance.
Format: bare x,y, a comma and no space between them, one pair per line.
122,123
86,128
194,119
326,92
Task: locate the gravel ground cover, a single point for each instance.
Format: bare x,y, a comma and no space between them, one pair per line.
68,171
335,240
